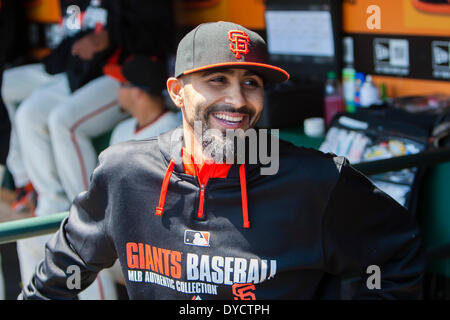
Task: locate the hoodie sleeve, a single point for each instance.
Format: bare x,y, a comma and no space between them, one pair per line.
364,227
81,243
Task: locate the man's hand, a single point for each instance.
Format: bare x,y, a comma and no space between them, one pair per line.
90,44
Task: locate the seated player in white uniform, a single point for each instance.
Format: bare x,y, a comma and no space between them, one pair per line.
142,83
140,94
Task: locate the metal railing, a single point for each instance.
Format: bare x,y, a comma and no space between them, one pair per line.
426,158
32,227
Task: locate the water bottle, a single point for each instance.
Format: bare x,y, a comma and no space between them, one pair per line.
334,102
370,93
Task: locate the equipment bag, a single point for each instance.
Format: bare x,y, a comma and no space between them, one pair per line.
381,133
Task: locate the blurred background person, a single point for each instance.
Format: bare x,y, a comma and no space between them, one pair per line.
142,81
35,89
57,122
133,27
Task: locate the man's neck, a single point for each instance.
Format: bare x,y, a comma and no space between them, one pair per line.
147,113
191,143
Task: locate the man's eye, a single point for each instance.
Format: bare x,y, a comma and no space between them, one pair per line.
218,79
252,83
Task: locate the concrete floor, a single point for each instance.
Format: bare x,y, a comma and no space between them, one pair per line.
6,198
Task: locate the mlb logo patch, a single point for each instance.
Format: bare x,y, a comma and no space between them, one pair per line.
196,238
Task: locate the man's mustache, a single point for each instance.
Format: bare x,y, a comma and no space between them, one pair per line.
228,108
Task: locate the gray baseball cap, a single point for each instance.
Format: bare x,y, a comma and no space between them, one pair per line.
223,44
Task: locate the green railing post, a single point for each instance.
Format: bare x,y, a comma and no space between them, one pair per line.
31,227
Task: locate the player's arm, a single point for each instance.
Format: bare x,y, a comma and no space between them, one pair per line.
363,227
81,244
90,44
87,43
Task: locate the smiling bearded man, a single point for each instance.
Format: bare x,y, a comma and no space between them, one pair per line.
181,229
218,106
220,92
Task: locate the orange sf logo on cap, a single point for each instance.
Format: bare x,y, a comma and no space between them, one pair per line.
239,42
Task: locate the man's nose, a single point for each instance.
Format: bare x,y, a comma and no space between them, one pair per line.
235,96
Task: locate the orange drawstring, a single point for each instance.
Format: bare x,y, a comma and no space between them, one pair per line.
202,184
165,185
244,196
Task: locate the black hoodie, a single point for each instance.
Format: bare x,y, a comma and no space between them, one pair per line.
291,235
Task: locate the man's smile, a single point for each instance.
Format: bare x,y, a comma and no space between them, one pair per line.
230,120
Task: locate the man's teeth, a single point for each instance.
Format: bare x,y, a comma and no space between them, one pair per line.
226,117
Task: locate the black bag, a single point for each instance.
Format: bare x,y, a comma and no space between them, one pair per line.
441,133
423,130
381,133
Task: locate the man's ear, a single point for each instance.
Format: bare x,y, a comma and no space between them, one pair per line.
175,89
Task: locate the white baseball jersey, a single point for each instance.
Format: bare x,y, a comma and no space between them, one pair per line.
127,129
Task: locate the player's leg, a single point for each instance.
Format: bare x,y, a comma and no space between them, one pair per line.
18,84
31,120
35,144
14,160
91,111
103,288
30,252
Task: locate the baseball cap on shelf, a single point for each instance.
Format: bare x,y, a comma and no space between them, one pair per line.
222,44
147,73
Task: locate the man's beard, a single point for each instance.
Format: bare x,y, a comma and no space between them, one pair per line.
219,145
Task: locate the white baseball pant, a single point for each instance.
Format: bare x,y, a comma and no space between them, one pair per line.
18,84
55,130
